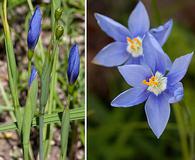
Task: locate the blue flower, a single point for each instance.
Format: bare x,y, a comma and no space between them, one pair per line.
32,75
128,46
73,64
154,84
34,28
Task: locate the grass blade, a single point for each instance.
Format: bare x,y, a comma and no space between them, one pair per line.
75,114
11,63
28,116
64,133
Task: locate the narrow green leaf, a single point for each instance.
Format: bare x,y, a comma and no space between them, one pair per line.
64,133
75,114
28,116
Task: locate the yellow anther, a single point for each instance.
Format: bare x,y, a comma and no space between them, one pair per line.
145,82
133,46
138,41
152,81
129,40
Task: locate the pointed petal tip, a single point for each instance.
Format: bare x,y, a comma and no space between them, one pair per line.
113,103
138,22
170,21
140,3
99,63
94,61
157,133
189,55
158,136
97,16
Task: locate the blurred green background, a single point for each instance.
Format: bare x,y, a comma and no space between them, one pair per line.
120,134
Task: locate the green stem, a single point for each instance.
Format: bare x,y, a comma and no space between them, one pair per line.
182,131
51,101
29,69
189,126
30,5
41,125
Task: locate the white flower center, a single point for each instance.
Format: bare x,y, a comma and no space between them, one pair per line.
156,84
134,46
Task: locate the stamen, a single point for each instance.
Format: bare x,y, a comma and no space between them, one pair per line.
156,83
129,40
152,81
135,46
138,41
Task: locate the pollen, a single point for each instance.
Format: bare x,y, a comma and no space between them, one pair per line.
152,81
156,84
134,46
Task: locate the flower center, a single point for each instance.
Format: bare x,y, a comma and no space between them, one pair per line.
156,84
135,46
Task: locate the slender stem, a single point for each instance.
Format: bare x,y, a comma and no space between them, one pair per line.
190,126
182,131
30,5
29,69
65,130
41,125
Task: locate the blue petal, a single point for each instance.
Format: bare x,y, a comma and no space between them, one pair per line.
139,22
113,54
157,111
154,56
179,69
34,28
176,93
112,28
135,74
130,97
168,62
32,75
162,32
73,64
132,60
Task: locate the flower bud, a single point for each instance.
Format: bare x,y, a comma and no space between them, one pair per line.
73,64
58,13
34,28
59,31
32,76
